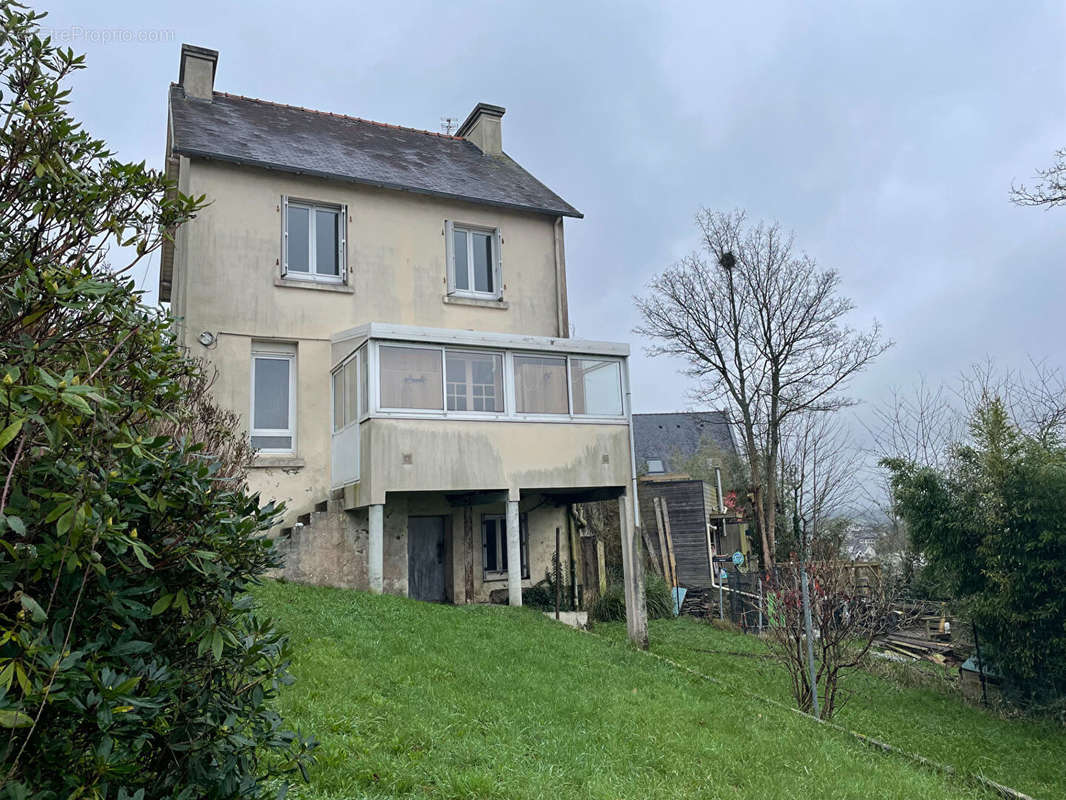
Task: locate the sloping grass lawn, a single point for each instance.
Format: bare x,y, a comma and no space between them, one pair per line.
416,700
1029,756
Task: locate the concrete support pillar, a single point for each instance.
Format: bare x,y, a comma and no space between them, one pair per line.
633,575
376,549
514,555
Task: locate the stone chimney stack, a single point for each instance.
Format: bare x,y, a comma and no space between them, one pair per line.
197,74
482,128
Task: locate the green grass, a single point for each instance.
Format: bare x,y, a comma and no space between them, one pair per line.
415,700
1027,755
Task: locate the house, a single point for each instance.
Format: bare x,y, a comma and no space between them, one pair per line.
386,309
681,458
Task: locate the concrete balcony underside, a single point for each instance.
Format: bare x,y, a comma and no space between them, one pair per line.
572,460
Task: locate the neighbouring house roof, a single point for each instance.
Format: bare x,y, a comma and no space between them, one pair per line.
667,436
243,130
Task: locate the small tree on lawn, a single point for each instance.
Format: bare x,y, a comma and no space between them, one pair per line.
845,618
132,663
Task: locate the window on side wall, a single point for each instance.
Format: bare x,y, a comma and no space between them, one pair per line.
313,241
273,406
494,546
474,263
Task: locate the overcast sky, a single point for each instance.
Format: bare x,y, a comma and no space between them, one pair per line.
886,135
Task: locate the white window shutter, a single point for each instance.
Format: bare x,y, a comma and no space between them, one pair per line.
449,254
342,245
498,242
284,235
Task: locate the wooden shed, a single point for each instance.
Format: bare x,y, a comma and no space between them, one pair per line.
690,506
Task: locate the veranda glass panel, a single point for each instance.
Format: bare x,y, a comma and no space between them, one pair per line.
411,378
596,387
351,392
475,381
338,400
540,385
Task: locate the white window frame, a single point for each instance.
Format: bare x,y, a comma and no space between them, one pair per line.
488,576
342,241
277,351
450,228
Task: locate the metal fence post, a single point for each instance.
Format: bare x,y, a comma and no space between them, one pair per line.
760,605
810,642
721,605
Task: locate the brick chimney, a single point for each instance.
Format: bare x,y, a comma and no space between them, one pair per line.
482,128
197,74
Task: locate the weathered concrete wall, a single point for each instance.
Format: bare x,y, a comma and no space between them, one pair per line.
227,262
463,455
332,549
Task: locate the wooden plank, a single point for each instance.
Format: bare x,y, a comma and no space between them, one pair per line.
660,551
669,543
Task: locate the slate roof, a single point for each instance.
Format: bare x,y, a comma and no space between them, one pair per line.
665,436
244,130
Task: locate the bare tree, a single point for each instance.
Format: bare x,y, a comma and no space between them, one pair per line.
763,331
1050,188
821,462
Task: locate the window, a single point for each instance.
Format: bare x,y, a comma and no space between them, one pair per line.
475,381
597,387
540,385
273,398
473,261
494,546
411,377
655,465
346,409
314,241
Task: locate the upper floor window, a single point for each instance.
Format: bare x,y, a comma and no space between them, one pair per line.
273,428
474,261
313,243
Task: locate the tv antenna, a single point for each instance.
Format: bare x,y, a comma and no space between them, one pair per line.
448,124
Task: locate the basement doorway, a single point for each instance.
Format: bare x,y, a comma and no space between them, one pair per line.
427,559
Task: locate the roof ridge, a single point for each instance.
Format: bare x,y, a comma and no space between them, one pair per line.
340,116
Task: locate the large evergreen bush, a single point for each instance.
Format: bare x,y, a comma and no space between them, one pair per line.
132,664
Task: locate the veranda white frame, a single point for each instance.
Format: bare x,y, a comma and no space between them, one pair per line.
374,335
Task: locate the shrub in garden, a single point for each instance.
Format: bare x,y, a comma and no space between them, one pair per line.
132,663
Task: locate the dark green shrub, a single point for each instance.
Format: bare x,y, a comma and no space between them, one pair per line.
133,662
992,529
611,605
660,603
